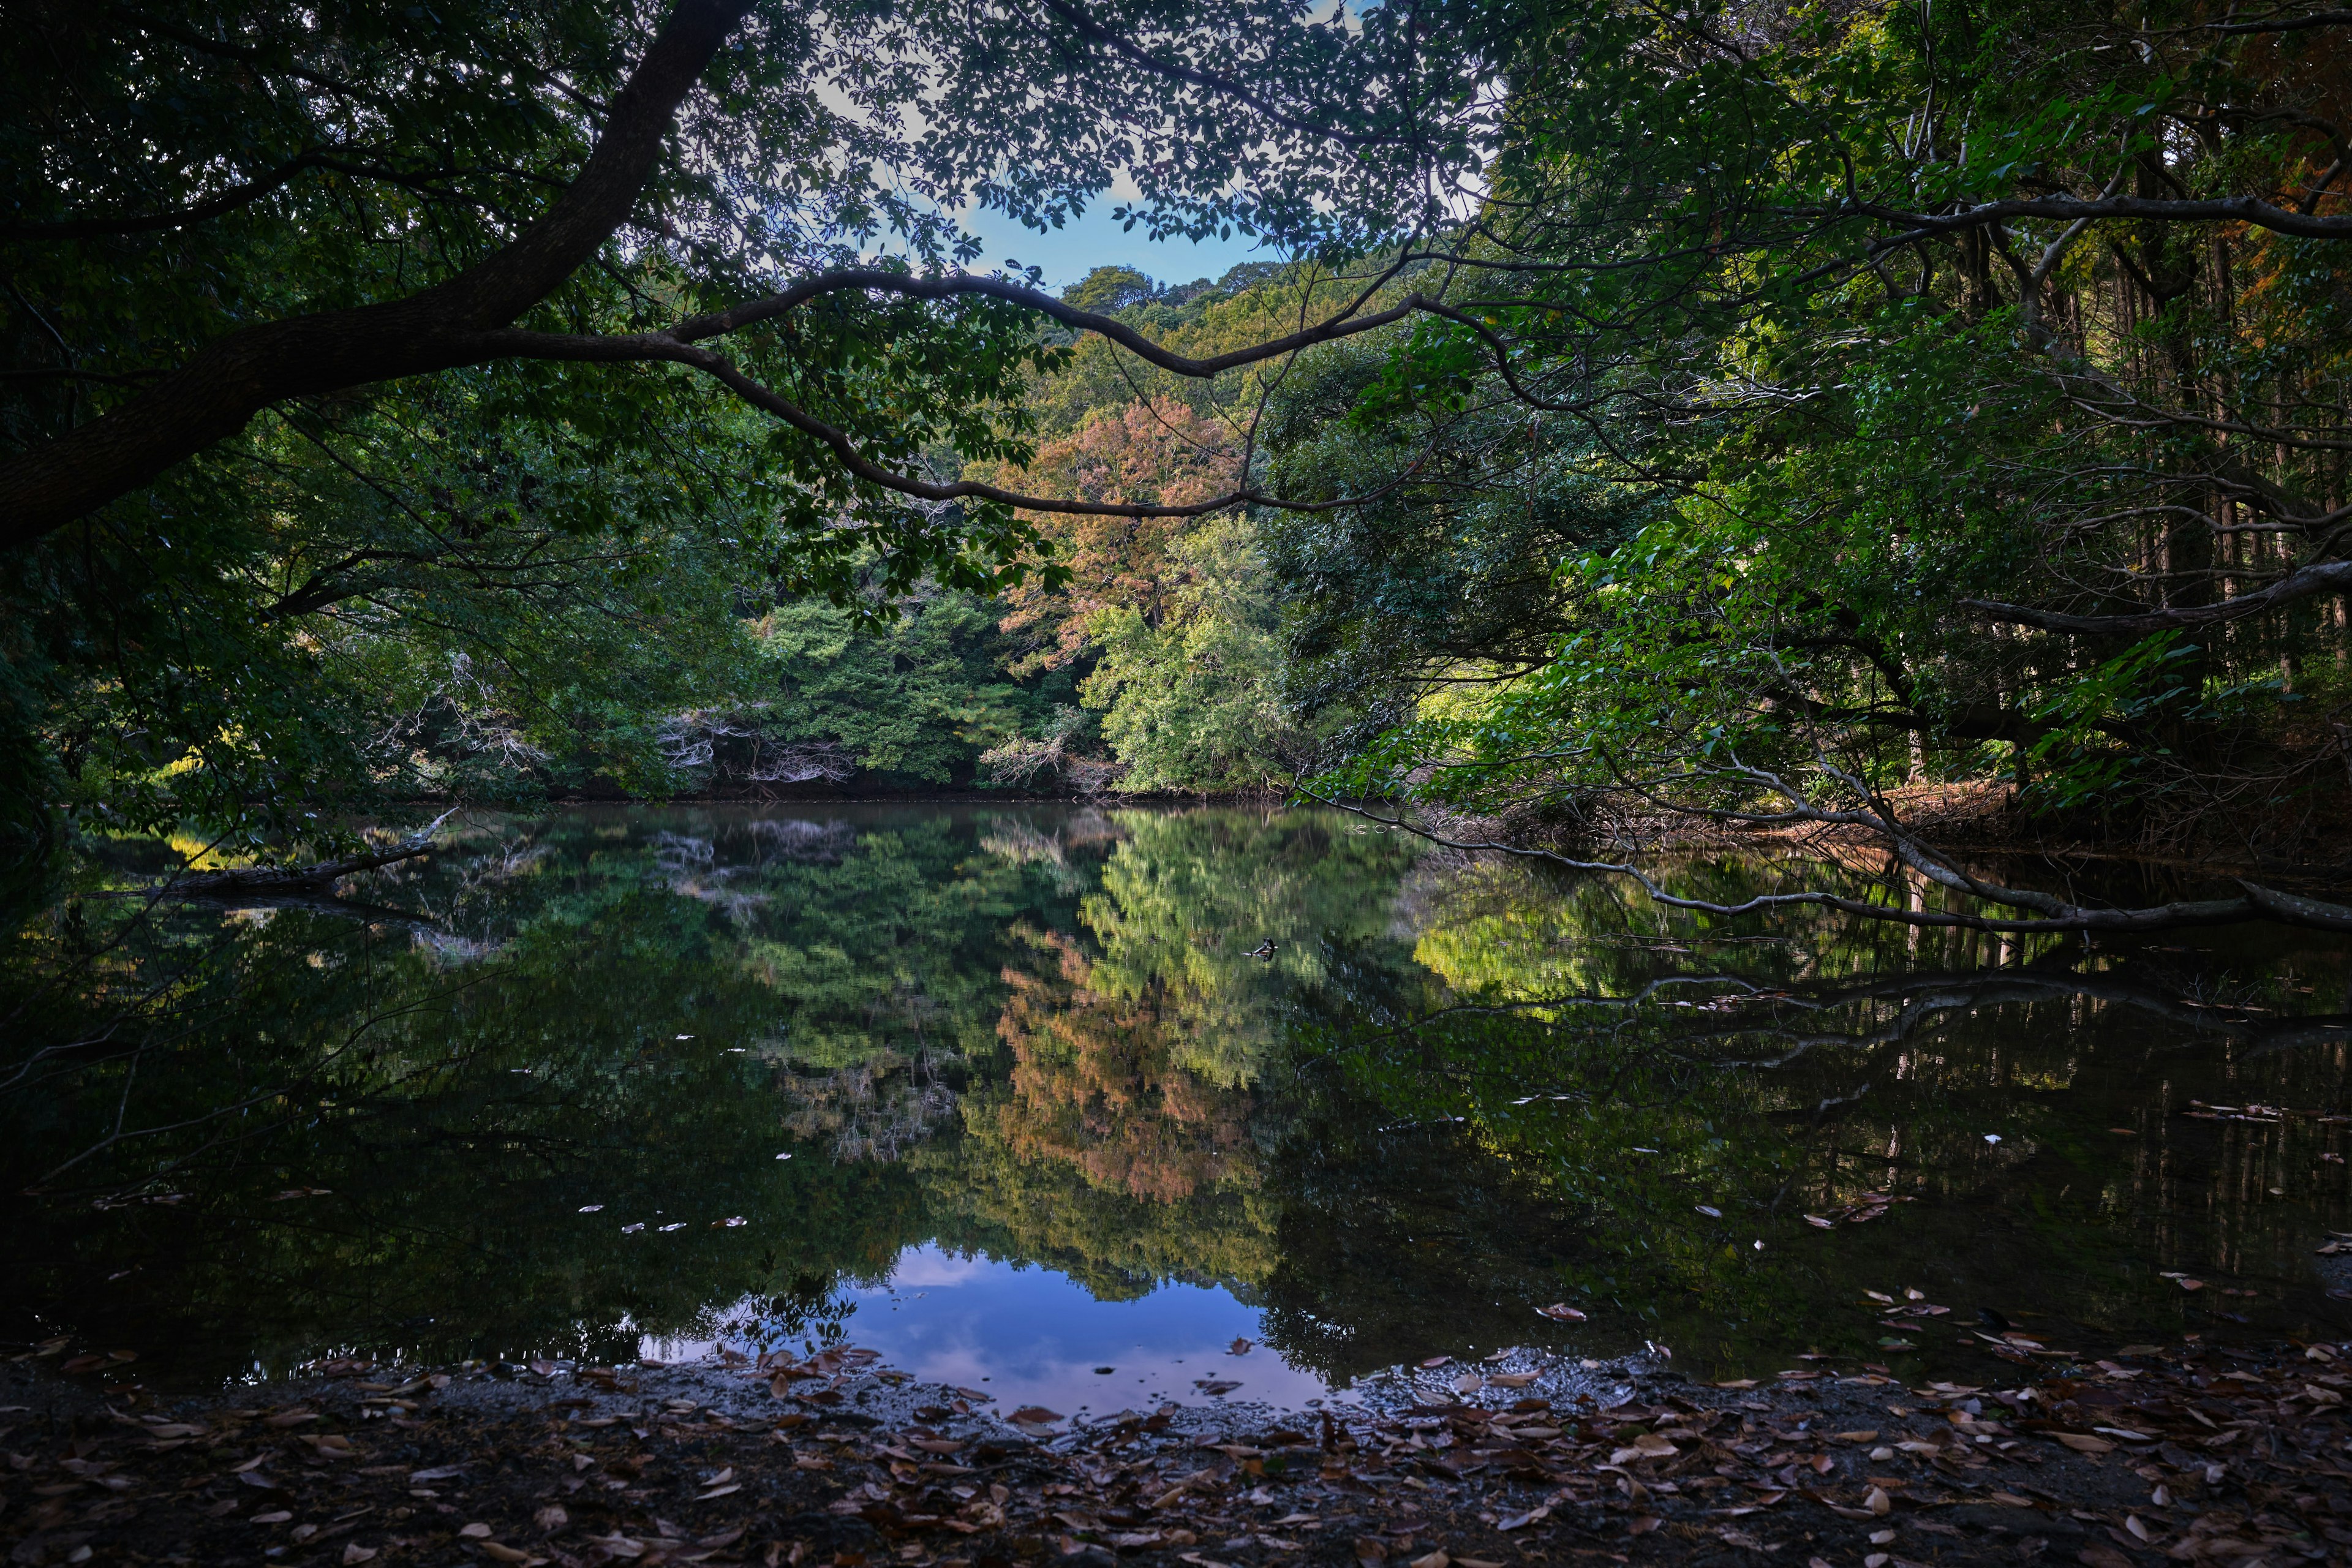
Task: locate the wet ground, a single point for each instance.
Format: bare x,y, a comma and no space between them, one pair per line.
2184,1452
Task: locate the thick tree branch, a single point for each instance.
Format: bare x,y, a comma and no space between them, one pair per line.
2277,24
2304,582
296,878
1345,322
2257,903
2068,209
215,393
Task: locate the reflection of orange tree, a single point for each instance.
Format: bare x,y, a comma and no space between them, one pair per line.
1096,1084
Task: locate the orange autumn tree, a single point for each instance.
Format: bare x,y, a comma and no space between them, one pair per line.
1157,449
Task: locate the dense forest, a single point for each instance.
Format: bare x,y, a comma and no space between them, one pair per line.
1871,417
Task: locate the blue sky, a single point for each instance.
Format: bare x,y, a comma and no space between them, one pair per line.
1070,253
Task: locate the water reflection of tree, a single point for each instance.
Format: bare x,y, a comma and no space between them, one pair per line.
1627,1068
1126,1139
1415,1122
1099,1081
615,1041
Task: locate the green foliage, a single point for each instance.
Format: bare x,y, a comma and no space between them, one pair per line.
1862,484
1193,702
504,578
1455,1091
917,699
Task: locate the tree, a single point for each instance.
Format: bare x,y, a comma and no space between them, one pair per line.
1985,368
349,345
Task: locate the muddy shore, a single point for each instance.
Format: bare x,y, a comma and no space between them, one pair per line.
2183,1452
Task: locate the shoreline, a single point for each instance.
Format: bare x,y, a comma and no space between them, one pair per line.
2184,1452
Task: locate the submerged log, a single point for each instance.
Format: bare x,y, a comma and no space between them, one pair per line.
300,878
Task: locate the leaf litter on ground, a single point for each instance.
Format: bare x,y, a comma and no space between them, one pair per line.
2190,1451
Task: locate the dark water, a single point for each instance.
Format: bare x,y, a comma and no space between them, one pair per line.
1046,1113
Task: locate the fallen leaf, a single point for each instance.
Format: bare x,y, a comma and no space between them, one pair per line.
551,1519
2083,1444
1240,1347
1468,1382
279,1516
1644,1525
719,1492
1513,1379
355,1552
1038,1415
1710,1210
1562,1312
1878,1502
1869,1437
497,1554
1434,1560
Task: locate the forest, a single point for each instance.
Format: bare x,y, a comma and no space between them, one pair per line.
1920,422
1632,843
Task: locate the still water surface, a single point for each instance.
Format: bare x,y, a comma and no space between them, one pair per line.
1009,1096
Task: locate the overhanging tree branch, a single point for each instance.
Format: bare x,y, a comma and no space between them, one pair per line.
2257,903
215,393
2304,582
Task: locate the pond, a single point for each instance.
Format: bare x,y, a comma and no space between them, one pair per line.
1103,1107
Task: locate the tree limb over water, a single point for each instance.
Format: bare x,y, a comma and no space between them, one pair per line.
2051,914
268,879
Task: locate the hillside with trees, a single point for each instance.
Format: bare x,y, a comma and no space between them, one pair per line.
1917,426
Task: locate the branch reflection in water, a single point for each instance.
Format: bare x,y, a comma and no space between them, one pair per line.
528,1097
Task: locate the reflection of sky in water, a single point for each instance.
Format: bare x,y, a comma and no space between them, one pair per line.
1031,1336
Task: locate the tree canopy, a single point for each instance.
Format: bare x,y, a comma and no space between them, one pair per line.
1743,414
